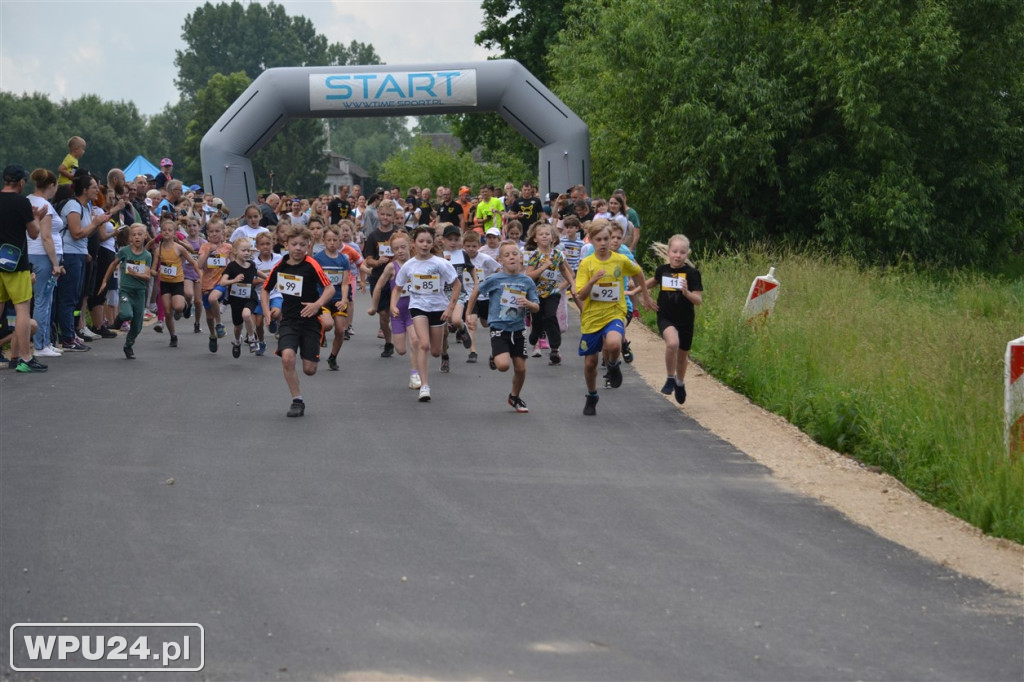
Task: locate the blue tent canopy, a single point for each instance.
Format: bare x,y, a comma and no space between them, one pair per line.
140,165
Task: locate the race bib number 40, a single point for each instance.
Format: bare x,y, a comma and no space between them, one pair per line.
289,285
607,292
384,251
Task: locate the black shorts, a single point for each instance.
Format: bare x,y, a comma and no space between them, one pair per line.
172,288
302,336
684,328
481,310
238,305
433,316
513,343
384,304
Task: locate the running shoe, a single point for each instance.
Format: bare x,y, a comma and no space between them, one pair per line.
73,346
467,341
220,331
272,327
254,346
297,409
490,363
535,353
555,358
88,334
472,356
424,394
177,314
236,349
174,341
129,353
29,366
47,352
158,327
348,334
332,362
187,313
213,344
196,329
542,344
380,333
445,364
669,386
261,350
614,376
56,349
389,350
126,327
104,333
590,408
415,381
627,352
680,393
517,403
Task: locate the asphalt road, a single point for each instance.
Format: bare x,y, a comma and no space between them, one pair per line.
448,540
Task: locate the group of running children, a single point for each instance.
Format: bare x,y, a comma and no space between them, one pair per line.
429,286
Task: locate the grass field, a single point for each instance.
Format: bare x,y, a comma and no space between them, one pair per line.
899,369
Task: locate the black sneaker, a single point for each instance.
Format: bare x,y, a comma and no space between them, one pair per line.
196,328
490,363
174,341
297,409
590,408
74,347
467,341
236,349
445,364
348,334
627,352
680,393
178,314
517,403
670,384
104,333
332,362
129,353
389,350
272,327
188,310
614,376
472,357
213,344
555,358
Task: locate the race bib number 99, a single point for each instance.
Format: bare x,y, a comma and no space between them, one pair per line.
289,285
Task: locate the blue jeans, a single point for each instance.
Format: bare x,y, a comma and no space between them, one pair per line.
42,295
69,294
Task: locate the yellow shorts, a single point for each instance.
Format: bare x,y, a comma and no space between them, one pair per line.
333,312
16,287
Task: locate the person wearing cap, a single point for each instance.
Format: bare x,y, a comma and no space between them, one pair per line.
465,202
18,221
493,243
166,165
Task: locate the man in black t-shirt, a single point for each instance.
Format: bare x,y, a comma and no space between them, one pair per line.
527,209
18,222
339,207
449,211
424,207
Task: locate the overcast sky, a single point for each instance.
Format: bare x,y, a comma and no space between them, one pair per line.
124,50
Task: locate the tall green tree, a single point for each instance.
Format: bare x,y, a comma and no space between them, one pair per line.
33,133
885,129
523,30
230,38
210,103
426,165
114,131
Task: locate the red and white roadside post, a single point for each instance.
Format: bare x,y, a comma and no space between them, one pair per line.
1015,397
763,293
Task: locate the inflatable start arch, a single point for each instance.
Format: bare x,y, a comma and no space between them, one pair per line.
503,86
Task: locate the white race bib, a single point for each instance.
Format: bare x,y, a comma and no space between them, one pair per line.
552,275
334,276
289,285
607,292
217,262
670,283
169,270
384,250
137,268
426,284
241,290
571,251
510,297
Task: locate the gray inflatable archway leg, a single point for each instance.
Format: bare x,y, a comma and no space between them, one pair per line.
502,86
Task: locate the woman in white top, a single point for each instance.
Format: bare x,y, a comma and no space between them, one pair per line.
44,254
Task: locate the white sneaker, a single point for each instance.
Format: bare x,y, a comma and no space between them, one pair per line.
55,349
87,334
415,381
47,352
536,352
425,394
